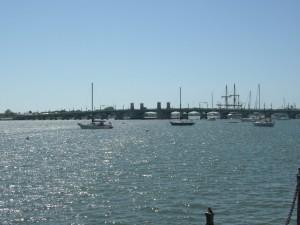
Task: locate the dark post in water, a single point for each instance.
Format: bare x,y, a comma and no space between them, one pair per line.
298,206
209,217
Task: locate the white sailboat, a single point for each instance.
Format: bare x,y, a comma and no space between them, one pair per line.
95,124
213,115
263,122
181,122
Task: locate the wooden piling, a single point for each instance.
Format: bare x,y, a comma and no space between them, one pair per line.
209,217
298,200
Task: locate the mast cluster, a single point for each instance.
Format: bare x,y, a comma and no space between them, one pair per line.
235,103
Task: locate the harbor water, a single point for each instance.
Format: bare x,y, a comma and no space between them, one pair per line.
147,172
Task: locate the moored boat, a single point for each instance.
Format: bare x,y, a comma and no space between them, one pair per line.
95,124
213,115
181,122
234,115
101,124
246,119
265,122
261,121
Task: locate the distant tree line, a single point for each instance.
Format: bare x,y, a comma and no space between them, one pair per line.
9,113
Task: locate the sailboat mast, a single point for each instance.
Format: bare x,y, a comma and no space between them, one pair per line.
234,99
226,97
249,104
259,97
92,97
180,99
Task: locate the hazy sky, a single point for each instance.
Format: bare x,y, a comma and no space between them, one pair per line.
142,51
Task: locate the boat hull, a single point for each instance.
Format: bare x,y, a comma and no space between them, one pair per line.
246,119
181,123
263,124
95,126
234,115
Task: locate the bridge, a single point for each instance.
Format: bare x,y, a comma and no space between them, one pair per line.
144,113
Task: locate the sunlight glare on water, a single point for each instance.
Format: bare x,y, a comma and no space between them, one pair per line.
147,172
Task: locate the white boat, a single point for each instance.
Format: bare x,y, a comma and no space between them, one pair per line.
246,119
234,115
95,124
100,124
213,115
265,122
261,121
181,122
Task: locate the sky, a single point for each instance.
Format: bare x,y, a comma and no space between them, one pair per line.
143,51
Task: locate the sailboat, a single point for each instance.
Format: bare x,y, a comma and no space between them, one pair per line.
213,115
262,122
95,124
181,122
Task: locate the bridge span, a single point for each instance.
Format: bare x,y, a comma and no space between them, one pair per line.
144,113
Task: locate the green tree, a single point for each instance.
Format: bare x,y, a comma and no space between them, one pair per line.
8,113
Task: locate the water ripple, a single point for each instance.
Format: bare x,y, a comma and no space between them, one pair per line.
146,172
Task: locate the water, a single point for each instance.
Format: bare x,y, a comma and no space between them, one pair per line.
147,172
